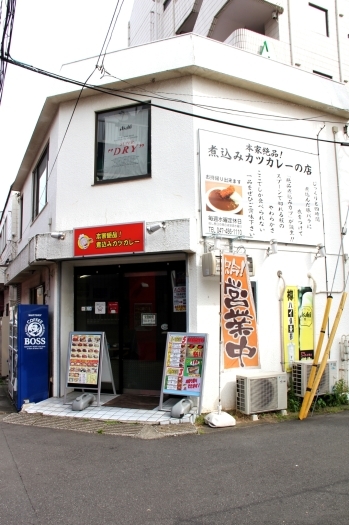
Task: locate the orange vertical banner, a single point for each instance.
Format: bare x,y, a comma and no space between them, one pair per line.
239,326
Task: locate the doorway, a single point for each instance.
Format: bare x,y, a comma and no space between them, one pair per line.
135,305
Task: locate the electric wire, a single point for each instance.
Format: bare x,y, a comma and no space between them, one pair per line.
109,91
106,36
44,190
218,109
111,32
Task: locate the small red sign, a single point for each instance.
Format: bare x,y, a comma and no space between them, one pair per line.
113,307
109,239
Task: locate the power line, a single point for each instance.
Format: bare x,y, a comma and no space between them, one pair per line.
115,93
216,109
112,31
6,38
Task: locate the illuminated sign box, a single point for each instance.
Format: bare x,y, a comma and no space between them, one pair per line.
109,239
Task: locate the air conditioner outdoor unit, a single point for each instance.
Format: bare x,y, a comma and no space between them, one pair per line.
261,392
300,375
211,264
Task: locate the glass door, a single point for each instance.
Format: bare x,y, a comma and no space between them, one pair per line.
97,307
135,305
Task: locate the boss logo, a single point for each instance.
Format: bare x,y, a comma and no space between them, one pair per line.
34,329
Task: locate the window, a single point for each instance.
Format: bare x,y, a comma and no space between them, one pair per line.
123,144
318,19
20,217
37,294
3,236
40,184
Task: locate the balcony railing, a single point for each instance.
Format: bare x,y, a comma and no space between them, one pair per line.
260,45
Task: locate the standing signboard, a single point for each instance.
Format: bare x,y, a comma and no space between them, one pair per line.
88,360
184,365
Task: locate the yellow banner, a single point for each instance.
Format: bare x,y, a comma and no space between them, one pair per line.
298,336
239,326
291,338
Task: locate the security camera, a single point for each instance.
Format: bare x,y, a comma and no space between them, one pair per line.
156,227
58,235
274,15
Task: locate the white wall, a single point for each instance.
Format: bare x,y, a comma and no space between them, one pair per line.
172,193
168,194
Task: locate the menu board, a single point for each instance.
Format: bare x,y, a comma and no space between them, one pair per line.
84,353
184,364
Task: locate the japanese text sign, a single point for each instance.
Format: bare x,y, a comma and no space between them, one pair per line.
184,363
109,239
260,191
298,332
239,326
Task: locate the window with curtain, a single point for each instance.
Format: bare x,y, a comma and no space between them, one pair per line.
123,144
40,176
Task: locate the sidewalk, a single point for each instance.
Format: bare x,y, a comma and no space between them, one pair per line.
53,413
6,405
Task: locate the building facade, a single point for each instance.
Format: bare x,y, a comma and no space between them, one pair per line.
170,122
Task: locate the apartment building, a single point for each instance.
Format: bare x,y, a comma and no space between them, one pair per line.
311,36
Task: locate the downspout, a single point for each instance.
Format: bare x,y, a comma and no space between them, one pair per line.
342,230
281,296
289,31
187,291
338,44
58,332
314,286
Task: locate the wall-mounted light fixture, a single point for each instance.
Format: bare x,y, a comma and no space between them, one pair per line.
273,248
155,227
321,251
58,235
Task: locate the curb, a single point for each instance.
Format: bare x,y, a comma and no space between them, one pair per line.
93,426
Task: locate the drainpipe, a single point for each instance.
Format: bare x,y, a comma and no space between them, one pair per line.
58,328
311,278
289,31
338,44
187,291
342,230
281,296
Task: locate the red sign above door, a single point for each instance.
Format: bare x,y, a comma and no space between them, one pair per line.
109,239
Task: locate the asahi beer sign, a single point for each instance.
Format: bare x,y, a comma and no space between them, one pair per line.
34,332
259,191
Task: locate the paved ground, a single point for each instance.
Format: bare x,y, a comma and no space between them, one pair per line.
290,473
6,406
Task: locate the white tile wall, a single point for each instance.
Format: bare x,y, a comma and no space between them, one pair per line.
252,42
292,33
208,10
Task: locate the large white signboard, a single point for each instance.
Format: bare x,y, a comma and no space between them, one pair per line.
259,191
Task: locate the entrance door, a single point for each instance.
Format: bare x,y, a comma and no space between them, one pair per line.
138,305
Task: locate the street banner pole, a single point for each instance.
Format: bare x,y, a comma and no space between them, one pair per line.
325,356
316,358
